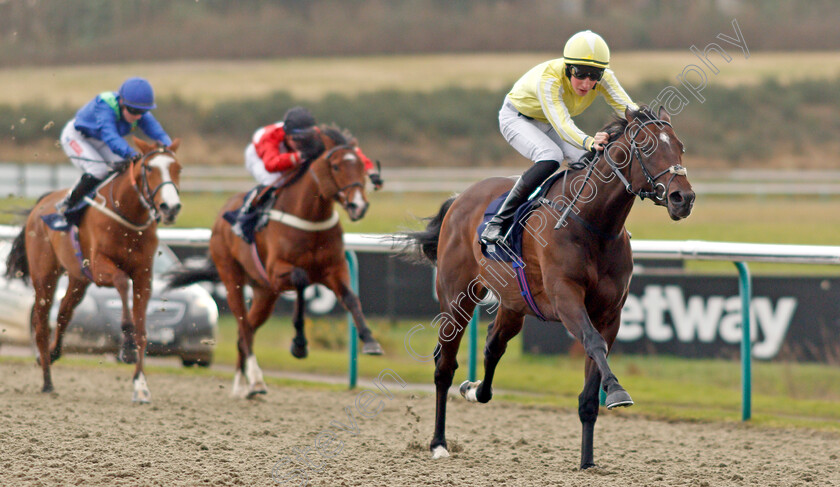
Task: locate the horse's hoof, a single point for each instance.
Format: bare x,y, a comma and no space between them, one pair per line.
299,351
372,348
468,390
141,393
256,392
127,357
47,388
586,466
618,398
439,452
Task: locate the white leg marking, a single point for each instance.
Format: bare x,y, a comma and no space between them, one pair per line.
439,452
239,390
256,385
141,393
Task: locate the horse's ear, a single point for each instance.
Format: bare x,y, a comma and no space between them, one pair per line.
629,114
174,145
142,145
663,115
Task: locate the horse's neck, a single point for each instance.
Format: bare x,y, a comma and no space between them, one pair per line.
121,196
608,204
304,199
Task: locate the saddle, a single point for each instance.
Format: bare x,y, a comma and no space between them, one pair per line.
72,217
510,249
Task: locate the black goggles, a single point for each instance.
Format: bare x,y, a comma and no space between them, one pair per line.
582,73
135,111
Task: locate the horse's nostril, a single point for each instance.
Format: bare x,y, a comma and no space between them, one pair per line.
676,197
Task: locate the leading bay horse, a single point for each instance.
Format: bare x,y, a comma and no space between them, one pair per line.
302,243
578,274
114,245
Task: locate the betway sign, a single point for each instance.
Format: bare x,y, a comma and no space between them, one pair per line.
698,316
663,313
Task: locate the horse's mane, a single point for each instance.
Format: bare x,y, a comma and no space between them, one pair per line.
618,125
338,135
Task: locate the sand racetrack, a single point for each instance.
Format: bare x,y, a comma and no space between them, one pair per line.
194,433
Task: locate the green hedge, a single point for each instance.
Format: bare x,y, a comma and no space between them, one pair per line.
733,124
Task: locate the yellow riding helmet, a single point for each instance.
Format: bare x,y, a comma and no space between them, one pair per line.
587,48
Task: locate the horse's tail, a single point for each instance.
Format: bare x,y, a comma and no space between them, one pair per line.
427,240
17,265
184,276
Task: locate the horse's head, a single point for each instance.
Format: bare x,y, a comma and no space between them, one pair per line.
340,173
157,178
658,174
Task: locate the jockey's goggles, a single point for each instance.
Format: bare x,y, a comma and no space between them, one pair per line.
583,72
135,111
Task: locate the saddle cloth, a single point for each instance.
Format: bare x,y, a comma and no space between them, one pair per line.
73,216
253,221
511,249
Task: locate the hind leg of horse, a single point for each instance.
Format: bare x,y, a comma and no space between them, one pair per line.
339,283
44,286
299,343
506,326
451,323
259,312
75,292
233,277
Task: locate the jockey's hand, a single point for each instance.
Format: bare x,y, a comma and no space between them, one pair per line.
600,141
377,181
120,166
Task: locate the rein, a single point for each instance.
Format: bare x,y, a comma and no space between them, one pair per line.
145,194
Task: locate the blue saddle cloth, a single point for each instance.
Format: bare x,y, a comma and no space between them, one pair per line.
73,216
511,249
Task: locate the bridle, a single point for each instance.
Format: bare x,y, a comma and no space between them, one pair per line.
340,196
675,170
654,194
144,190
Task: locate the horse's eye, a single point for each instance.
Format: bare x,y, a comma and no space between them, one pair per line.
335,167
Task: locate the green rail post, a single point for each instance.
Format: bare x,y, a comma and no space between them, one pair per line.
473,339
352,337
745,288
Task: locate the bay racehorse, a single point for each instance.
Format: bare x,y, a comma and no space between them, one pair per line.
577,274
113,245
301,244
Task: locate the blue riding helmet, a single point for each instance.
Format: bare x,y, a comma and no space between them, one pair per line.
137,93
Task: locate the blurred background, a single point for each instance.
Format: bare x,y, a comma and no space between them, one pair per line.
420,82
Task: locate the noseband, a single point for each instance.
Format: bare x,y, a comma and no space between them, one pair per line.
654,194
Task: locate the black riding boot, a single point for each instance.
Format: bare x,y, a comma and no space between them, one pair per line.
497,227
83,186
245,211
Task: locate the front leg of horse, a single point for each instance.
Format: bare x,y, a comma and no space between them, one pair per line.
596,348
351,302
506,326
588,404
299,344
128,348
142,293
